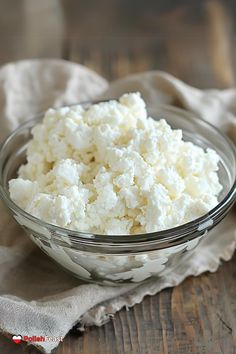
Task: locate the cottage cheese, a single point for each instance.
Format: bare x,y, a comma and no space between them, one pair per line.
111,169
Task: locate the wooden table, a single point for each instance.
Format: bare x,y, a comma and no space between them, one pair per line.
194,40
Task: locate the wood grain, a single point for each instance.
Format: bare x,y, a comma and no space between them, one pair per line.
194,40
219,39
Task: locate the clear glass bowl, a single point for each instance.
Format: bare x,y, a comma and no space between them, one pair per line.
115,260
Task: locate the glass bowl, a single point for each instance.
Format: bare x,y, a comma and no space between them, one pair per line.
121,259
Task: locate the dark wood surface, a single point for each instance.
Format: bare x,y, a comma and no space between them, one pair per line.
194,40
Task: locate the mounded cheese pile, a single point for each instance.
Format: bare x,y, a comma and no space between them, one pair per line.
110,169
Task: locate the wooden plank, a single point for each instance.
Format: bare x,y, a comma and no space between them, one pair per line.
219,40
191,42
30,29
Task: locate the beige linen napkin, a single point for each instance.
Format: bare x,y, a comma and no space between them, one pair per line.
36,296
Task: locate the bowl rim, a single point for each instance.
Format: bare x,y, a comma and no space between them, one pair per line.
178,234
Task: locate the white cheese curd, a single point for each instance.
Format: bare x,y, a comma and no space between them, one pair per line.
111,169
